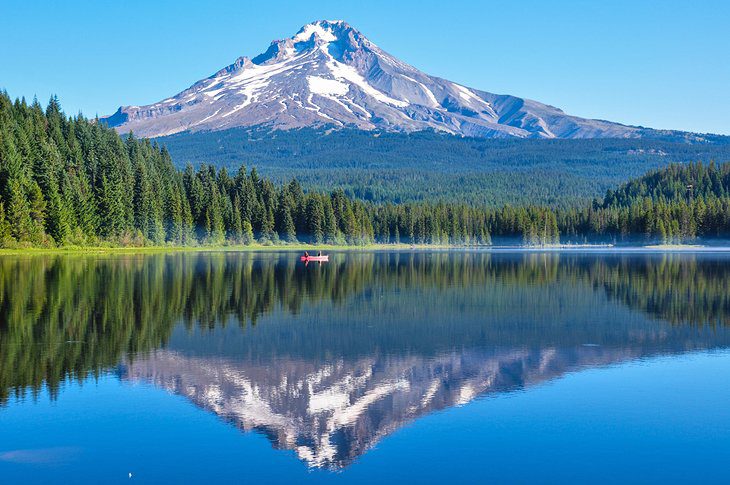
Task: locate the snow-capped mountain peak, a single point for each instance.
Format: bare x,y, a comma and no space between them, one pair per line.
325,30
330,74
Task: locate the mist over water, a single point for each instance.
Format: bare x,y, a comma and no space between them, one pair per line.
330,363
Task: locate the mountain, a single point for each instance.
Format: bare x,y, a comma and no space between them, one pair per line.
330,75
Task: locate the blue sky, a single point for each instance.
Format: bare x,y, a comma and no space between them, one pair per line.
663,64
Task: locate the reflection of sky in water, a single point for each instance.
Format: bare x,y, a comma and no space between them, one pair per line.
661,419
586,366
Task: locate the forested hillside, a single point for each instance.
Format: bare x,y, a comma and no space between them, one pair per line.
678,203
423,166
69,181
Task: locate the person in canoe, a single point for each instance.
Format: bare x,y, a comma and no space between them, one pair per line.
319,257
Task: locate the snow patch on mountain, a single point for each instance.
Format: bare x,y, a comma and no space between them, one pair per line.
320,85
349,73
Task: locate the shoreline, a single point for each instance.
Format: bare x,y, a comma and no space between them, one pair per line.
261,248
253,248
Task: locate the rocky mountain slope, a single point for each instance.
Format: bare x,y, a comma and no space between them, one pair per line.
330,75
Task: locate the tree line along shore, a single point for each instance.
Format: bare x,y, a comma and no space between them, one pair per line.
69,181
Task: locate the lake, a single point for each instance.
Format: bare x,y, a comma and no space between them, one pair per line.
418,367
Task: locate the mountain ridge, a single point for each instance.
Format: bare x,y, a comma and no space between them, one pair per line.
329,75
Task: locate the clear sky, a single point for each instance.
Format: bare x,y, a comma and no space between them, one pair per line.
663,64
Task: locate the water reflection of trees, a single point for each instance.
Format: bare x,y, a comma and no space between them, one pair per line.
682,290
73,316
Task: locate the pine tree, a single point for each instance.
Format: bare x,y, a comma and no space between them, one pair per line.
349,224
57,220
142,195
175,230
4,227
188,224
247,233
19,214
284,221
236,233
268,233
214,220
111,207
662,231
330,222
315,219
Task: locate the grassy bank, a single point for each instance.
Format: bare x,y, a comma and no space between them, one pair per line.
227,248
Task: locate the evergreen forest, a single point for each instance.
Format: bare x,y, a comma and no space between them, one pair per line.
70,181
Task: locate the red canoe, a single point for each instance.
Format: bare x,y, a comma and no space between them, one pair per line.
315,258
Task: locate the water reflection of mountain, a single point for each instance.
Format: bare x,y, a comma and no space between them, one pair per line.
330,381
326,360
329,414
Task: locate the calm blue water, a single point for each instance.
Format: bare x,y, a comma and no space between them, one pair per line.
429,367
